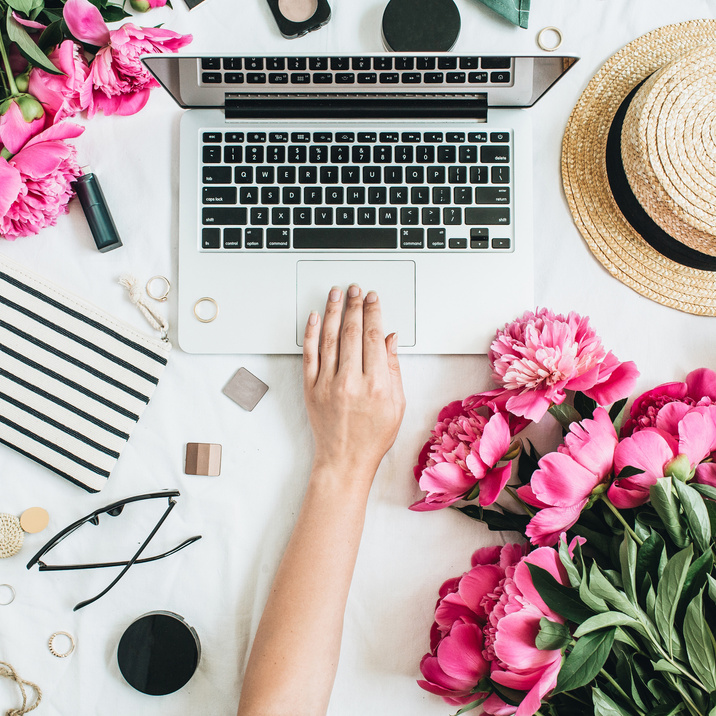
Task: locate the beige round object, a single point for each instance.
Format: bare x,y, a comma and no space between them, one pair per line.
11,535
669,158
34,519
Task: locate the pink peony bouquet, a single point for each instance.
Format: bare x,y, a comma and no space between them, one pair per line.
58,58
609,607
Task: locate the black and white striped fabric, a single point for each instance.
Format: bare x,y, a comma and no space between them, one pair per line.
73,379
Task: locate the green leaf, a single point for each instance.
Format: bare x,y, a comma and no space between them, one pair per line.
627,561
629,471
616,414
650,560
712,587
568,564
113,13
51,36
697,517
667,666
603,588
565,414
513,697
563,600
623,638
583,405
29,50
585,660
552,635
695,581
608,619
528,462
496,521
700,643
470,707
604,706
668,594
705,490
663,500
25,6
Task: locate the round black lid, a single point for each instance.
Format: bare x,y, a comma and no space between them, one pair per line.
420,25
158,653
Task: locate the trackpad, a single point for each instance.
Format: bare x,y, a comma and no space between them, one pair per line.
394,282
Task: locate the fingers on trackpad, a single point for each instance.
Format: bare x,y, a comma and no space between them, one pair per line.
393,281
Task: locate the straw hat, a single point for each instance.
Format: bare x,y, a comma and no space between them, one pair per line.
639,165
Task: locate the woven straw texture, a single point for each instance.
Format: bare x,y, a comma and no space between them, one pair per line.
674,172
11,535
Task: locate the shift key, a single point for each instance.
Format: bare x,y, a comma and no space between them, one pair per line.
487,216
224,216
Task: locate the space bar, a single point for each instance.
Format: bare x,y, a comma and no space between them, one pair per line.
341,238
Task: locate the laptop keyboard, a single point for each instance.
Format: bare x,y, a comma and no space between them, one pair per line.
356,188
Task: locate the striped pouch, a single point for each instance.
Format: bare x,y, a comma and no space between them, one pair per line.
73,379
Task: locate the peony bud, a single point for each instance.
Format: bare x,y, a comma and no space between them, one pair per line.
678,468
30,108
144,5
22,82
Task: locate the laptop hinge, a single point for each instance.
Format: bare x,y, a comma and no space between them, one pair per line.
358,106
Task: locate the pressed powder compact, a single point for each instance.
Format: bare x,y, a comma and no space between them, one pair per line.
297,17
420,25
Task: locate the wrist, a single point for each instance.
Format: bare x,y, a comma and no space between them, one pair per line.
343,477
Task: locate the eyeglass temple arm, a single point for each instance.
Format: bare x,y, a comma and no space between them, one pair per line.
87,602
64,567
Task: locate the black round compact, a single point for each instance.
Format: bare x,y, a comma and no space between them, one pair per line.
158,653
420,25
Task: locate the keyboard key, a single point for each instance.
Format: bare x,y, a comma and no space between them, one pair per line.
350,175
399,195
345,217
291,195
433,137
496,63
300,78
419,195
340,63
436,238
426,63
500,243
322,78
441,195
457,243
479,238
318,154
412,239
383,63
425,154
469,63
340,154
249,195
447,154
462,195
270,195
494,154
307,175
211,78
233,153
410,137
212,137
256,137
280,216
275,63
477,77
301,216
321,137
355,195
218,195
457,78
478,175
434,77
259,216
324,216
254,154
404,63
452,215
487,216
477,137
492,195
388,216
296,63
345,78
372,175
210,63
329,175
403,154
457,175
286,175
431,215
361,154
313,195
317,63
345,137
361,63
367,137
499,136
224,216
232,63
500,175
244,175
393,175
334,195
211,155
409,215
232,238
447,63
278,238
264,175
455,137
367,78
389,137
414,175
256,78
210,238
500,77
389,78
342,238
382,154
377,195
366,216
234,78
468,154
276,155
411,78
278,78
297,154
254,63
216,175
254,238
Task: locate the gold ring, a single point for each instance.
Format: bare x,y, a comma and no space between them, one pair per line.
540,38
51,644
206,299
163,296
12,594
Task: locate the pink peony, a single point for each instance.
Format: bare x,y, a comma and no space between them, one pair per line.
538,357
146,5
462,454
35,182
22,118
566,480
118,83
658,407
60,94
485,625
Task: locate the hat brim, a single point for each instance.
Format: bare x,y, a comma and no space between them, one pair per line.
610,237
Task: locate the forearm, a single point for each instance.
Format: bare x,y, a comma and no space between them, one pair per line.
295,653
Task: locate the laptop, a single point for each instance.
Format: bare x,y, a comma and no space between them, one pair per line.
409,174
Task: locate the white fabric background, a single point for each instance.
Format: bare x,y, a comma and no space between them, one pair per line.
245,516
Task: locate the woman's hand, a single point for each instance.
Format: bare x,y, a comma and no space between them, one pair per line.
352,385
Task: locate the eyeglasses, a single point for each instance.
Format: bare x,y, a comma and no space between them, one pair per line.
113,510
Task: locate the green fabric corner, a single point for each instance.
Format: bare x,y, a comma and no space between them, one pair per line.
516,11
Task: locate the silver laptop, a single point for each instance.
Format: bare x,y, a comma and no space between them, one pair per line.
409,174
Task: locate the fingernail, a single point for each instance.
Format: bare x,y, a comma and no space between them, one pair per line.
353,290
372,297
313,318
394,345
335,294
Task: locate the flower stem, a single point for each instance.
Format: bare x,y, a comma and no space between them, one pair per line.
8,71
618,515
517,499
